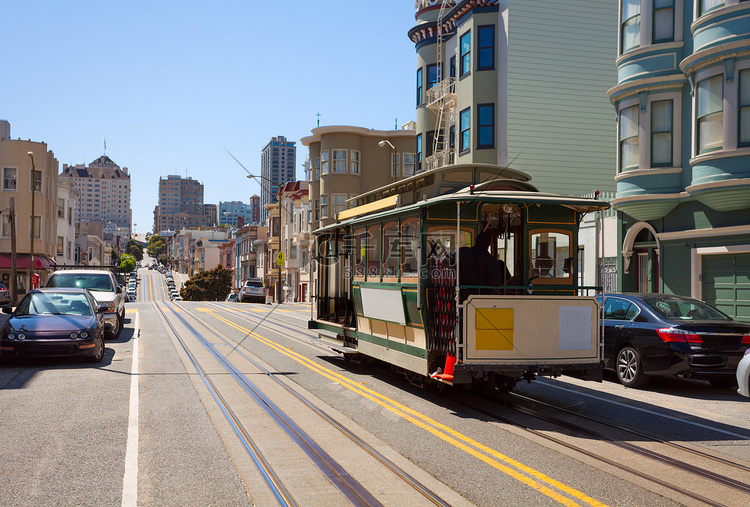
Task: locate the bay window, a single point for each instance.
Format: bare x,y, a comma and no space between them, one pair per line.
629,141
710,99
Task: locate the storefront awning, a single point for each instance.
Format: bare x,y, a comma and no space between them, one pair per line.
22,262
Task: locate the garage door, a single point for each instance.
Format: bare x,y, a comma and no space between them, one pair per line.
726,284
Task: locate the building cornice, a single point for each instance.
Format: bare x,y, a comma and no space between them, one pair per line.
737,230
649,84
318,132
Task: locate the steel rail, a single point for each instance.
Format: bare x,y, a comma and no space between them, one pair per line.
335,473
399,472
261,463
640,434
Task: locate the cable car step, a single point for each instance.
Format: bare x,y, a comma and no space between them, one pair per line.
331,339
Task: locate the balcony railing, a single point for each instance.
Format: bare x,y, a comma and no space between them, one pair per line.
440,159
445,89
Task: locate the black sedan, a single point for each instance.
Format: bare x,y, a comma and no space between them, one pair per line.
54,322
4,295
661,334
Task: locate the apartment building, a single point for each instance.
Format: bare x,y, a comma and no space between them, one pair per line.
519,84
683,160
29,172
277,166
104,192
67,203
346,161
236,213
181,205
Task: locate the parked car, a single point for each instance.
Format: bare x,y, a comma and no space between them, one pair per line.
743,375
231,297
54,322
660,334
103,286
252,290
4,295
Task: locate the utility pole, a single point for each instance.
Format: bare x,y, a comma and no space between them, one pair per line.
33,194
13,255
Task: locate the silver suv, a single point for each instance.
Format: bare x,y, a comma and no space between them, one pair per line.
103,286
252,290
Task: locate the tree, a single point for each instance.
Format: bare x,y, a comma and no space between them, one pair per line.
135,249
127,263
211,285
113,255
155,246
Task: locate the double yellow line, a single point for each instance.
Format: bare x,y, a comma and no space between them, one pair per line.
530,477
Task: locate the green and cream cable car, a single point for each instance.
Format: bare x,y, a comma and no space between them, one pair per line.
388,280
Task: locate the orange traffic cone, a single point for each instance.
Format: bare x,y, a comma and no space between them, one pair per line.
450,361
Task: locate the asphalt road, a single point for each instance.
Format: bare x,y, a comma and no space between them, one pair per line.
147,431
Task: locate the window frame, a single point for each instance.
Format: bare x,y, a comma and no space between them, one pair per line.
412,164
464,142
14,179
699,117
481,50
743,74
419,152
324,159
655,25
625,22
420,86
339,164
465,55
622,140
653,132
354,161
390,242
323,206
481,127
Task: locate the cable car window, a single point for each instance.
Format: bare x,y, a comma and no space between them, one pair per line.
409,242
391,250
373,253
360,253
551,255
442,240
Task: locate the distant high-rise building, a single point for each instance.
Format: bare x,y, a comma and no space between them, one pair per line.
104,190
238,213
255,209
277,164
181,205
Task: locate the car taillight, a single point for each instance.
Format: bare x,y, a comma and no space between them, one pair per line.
746,340
670,334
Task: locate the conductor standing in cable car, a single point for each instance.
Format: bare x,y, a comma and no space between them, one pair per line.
479,267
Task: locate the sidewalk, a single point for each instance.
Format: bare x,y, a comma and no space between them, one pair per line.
179,279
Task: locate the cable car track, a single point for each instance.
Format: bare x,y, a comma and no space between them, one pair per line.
344,482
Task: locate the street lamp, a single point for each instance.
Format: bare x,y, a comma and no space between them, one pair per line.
33,194
394,160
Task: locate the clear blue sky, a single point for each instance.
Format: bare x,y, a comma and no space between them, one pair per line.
170,84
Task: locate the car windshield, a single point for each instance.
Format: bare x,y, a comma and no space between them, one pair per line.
685,309
44,303
92,282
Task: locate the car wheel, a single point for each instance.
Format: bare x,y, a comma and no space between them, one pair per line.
99,356
116,329
723,381
629,368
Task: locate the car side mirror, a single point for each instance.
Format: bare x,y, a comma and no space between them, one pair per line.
7,309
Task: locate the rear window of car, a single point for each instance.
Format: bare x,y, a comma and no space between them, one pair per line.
92,282
254,284
681,309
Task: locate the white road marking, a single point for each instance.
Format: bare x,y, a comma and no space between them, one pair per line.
130,478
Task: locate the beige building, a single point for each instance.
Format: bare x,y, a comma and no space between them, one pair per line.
67,202
295,240
104,190
347,161
16,166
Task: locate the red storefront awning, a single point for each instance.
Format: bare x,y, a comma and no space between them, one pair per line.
22,262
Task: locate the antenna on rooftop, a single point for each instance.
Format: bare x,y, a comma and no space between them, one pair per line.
318,115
